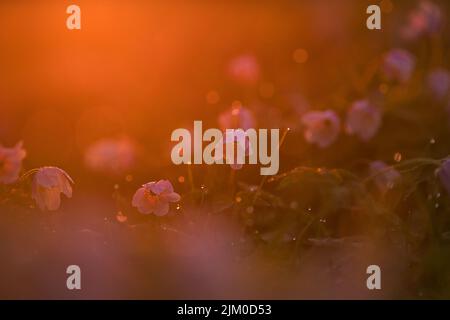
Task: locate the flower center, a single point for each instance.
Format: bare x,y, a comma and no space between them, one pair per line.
151,197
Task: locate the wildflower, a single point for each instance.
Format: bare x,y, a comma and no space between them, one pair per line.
236,118
425,19
363,119
321,127
444,174
398,64
154,197
385,177
438,82
111,156
240,144
47,185
244,69
11,163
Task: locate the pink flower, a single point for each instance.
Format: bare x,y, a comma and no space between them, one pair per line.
438,82
111,156
154,197
11,163
425,19
398,64
236,118
244,69
384,177
363,119
321,127
47,185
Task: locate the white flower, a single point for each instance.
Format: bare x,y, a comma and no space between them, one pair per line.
11,163
154,197
398,64
47,186
363,120
321,127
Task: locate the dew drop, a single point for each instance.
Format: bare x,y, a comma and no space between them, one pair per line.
398,157
432,141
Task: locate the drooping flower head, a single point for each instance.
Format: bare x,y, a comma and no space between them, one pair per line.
363,120
48,184
244,69
398,65
438,81
111,156
321,127
11,163
154,197
385,177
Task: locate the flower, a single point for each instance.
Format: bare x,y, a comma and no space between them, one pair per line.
438,81
47,185
363,119
11,163
384,177
236,118
111,156
244,69
321,127
425,19
154,197
240,144
398,64
444,174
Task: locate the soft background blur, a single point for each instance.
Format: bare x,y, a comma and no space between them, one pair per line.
138,70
